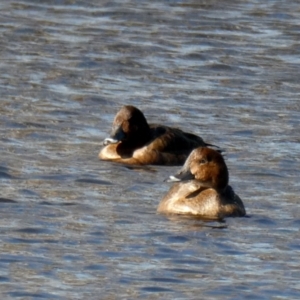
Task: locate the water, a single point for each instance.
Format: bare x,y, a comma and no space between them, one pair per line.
73,227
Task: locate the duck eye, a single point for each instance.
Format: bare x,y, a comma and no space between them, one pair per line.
203,161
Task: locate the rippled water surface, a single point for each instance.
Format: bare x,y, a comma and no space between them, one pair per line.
73,227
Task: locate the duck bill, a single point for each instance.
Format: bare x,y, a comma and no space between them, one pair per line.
116,136
181,176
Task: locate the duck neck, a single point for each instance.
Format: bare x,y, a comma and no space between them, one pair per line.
140,138
222,180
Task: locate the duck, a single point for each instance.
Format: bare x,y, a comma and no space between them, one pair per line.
201,188
134,141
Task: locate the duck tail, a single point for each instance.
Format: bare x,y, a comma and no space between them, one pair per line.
217,148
